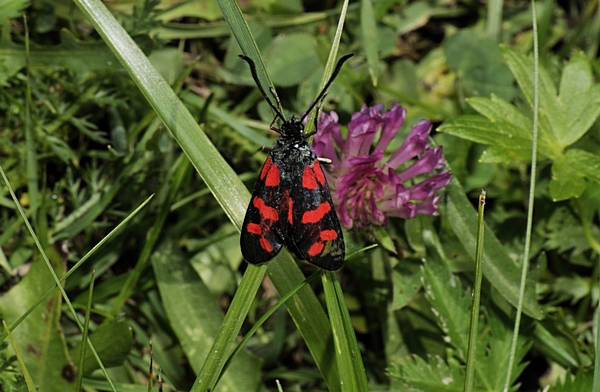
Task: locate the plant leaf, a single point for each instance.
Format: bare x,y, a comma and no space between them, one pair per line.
498,268
196,318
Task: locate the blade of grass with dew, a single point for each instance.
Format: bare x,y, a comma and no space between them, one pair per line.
530,204
86,325
28,380
50,269
474,328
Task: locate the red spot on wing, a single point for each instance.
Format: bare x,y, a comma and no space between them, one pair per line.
314,216
309,180
266,212
328,235
254,228
315,249
265,168
290,215
265,244
319,173
272,176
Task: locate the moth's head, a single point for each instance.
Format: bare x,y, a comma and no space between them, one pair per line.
292,128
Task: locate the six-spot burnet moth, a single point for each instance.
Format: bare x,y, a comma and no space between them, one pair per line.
291,204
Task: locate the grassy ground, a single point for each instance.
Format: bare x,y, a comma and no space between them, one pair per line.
131,134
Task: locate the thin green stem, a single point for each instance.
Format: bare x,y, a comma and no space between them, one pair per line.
494,19
32,185
474,328
525,263
596,382
84,337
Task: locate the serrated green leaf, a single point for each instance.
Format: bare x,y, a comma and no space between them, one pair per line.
10,9
450,304
494,357
551,116
509,140
581,381
565,118
564,232
432,376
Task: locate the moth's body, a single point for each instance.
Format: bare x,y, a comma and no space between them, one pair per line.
291,205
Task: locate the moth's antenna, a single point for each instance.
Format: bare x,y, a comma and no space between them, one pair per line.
264,94
338,67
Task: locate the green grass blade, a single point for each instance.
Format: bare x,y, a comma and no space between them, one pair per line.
596,384
52,272
196,319
530,204
32,178
352,375
86,326
358,368
331,61
474,327
28,380
241,31
79,263
264,318
342,354
368,27
498,268
494,19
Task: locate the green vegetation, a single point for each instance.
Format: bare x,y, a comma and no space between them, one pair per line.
129,145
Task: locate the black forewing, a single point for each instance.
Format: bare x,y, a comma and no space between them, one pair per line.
252,243
305,235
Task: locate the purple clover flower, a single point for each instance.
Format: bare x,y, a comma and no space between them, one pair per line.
366,188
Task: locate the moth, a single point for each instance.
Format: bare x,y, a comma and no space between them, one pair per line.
291,204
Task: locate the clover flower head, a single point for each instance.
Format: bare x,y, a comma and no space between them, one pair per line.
366,187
